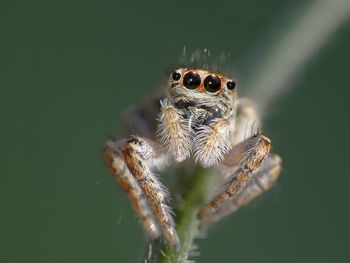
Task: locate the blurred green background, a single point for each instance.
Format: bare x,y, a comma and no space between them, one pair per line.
69,68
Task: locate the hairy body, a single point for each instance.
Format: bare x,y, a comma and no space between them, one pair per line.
198,117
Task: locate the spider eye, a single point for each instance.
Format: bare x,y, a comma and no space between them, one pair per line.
212,83
176,75
231,85
192,80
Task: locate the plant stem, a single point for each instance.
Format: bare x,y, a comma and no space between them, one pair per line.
198,190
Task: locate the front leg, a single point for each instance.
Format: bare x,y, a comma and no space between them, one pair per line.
138,155
249,155
212,142
115,162
175,131
264,178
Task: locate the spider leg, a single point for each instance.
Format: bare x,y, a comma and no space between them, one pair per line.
141,120
247,121
136,157
249,151
115,162
213,142
264,178
250,154
175,131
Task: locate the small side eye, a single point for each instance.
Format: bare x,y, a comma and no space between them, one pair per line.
231,84
176,75
212,83
192,80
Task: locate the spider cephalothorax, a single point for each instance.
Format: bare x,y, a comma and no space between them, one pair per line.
199,116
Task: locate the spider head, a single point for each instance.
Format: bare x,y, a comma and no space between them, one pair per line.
198,87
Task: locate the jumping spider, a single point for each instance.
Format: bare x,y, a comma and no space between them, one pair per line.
198,117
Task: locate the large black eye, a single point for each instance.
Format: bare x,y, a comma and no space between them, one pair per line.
231,84
176,75
212,83
192,80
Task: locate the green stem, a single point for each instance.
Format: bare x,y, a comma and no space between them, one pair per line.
197,191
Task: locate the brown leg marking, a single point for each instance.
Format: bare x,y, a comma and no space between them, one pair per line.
253,151
128,183
264,178
154,191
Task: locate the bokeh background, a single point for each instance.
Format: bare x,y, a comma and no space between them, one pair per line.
69,68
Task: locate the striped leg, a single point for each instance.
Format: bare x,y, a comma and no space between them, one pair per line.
249,154
264,179
113,157
137,156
